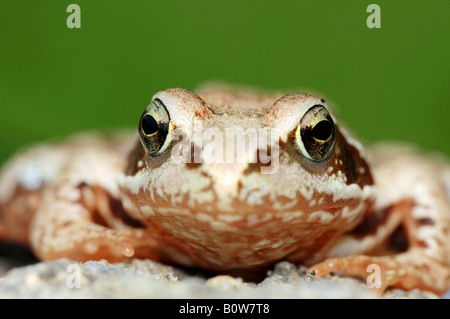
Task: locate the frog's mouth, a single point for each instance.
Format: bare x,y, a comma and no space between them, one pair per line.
243,235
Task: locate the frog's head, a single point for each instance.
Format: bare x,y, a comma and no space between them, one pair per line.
275,172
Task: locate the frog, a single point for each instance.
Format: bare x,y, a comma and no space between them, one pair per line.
329,203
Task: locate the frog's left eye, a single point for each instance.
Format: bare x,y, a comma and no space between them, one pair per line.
154,128
315,135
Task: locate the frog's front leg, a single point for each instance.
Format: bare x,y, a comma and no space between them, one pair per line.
81,216
412,194
66,228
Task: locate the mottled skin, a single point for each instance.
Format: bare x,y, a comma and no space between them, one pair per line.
94,197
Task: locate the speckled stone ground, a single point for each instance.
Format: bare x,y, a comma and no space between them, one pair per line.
147,279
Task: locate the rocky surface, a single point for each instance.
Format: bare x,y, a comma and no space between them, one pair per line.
147,279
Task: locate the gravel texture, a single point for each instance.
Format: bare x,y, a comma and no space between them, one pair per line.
148,279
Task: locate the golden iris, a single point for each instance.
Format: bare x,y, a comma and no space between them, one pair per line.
316,134
154,127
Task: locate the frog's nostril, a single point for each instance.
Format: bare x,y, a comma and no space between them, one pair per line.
195,158
262,160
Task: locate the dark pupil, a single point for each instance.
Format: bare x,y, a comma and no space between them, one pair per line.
149,125
322,131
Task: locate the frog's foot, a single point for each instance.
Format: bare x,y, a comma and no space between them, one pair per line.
83,241
412,269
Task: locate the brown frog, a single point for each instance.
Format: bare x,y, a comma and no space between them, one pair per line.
324,204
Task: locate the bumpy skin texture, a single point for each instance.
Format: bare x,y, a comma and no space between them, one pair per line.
94,197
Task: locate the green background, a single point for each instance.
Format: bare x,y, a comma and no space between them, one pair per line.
388,83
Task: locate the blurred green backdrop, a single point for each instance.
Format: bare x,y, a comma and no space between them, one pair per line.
388,83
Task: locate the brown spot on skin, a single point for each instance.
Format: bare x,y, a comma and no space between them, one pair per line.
351,162
398,242
81,185
370,223
119,212
425,221
201,115
98,218
422,244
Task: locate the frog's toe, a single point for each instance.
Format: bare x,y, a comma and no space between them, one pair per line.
378,272
405,271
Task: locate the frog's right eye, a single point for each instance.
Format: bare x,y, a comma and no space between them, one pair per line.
155,128
316,134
